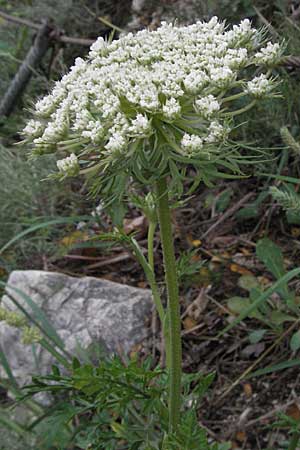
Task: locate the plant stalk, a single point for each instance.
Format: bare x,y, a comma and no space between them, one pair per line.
294,441
173,309
151,231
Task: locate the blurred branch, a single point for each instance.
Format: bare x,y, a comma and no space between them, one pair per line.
54,33
20,80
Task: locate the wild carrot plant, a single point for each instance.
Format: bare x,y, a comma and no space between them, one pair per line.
158,109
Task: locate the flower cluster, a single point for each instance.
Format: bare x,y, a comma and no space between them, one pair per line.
68,165
30,334
269,55
259,86
174,86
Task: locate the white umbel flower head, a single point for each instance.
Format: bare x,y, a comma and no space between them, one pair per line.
216,133
260,86
140,126
68,165
269,55
191,143
138,105
171,109
207,106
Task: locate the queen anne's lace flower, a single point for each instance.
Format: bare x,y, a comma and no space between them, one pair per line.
171,109
259,86
269,55
160,90
207,106
191,143
68,165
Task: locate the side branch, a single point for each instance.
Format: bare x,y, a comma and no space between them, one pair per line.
20,80
53,34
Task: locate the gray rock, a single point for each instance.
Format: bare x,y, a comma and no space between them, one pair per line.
86,312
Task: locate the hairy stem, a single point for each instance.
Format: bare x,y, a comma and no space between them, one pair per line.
173,312
150,278
151,231
294,441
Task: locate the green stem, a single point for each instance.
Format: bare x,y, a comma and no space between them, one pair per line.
173,313
150,278
241,110
294,441
151,231
232,97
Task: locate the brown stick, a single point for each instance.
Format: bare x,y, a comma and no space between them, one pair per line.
54,35
228,213
20,80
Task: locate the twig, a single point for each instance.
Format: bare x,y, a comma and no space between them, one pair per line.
266,22
274,411
19,21
54,34
228,213
107,261
20,80
250,368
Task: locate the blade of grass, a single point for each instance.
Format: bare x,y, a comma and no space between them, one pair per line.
276,367
281,178
12,424
5,364
38,226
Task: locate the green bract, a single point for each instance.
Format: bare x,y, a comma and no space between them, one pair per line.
147,105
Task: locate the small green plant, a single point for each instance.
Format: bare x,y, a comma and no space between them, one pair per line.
269,313
121,406
293,426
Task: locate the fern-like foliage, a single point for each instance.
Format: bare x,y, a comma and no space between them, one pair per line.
289,141
287,198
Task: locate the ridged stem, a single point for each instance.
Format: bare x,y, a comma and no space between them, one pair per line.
173,310
294,441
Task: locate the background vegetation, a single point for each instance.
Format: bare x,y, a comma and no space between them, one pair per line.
234,262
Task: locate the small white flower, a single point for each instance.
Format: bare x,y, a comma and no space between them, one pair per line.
94,131
68,165
207,106
268,55
171,109
97,47
140,126
259,86
116,143
98,210
195,81
191,143
34,128
221,76
216,133
126,87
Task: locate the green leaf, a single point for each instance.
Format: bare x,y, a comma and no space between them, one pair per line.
5,364
249,212
275,368
248,282
279,317
224,200
295,341
282,178
271,255
239,305
256,336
